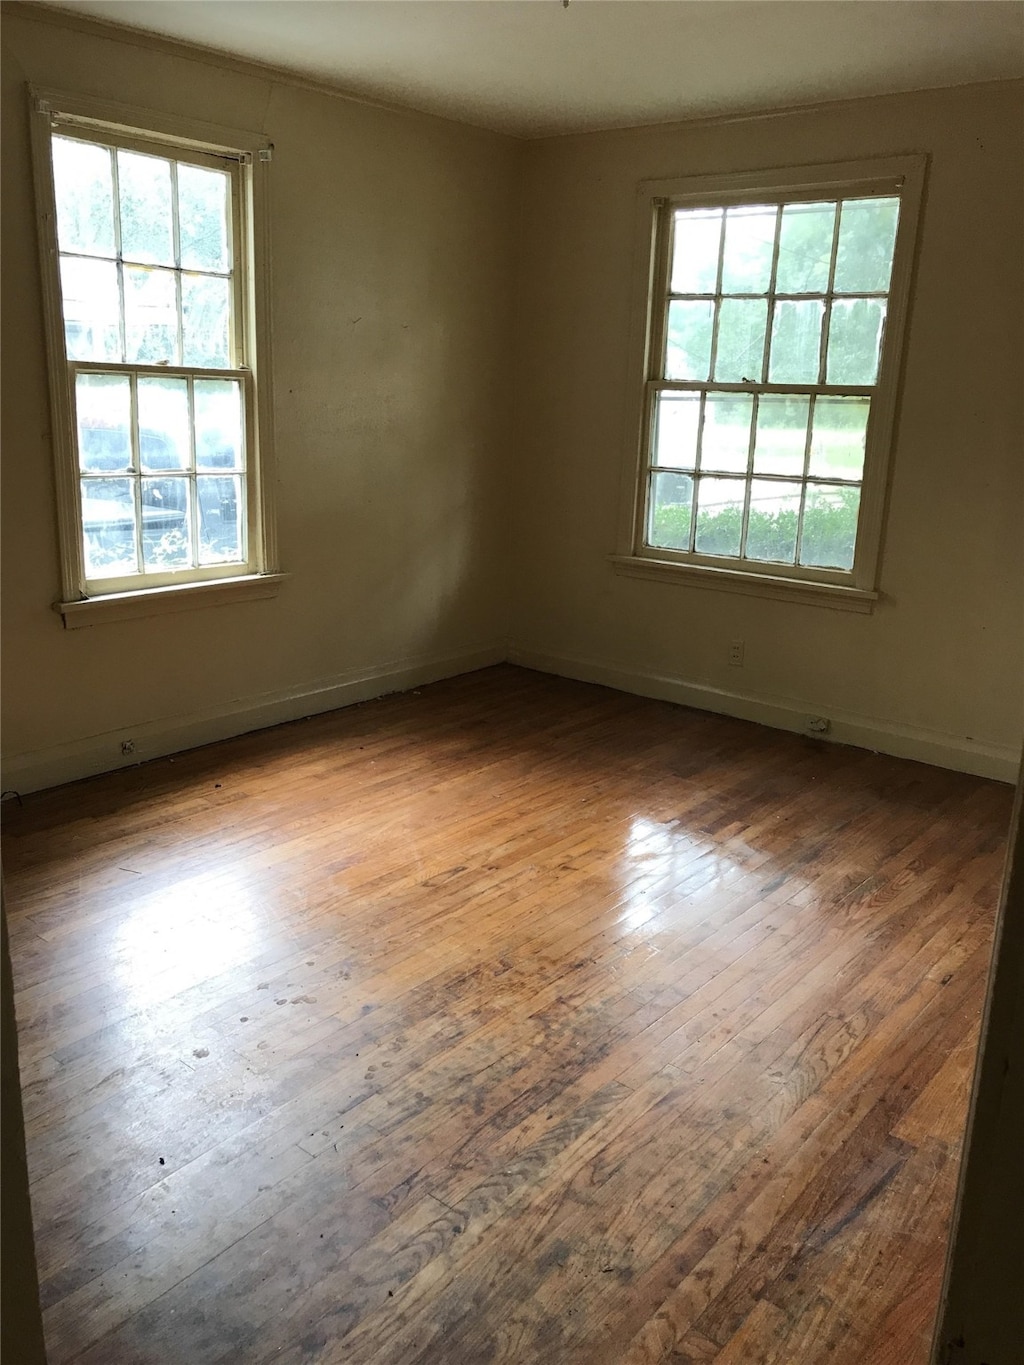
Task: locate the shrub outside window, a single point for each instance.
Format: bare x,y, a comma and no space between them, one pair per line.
775,306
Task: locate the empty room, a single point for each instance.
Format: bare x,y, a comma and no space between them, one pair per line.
512,645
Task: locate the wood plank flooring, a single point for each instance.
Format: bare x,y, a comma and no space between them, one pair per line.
509,1020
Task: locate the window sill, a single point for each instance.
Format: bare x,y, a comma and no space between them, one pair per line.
128,606
835,595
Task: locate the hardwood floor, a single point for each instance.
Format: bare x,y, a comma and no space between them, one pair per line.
511,1019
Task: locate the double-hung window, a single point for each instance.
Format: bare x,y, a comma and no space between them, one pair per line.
774,310
150,257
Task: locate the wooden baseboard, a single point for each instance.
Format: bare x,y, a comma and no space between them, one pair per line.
33,771
961,754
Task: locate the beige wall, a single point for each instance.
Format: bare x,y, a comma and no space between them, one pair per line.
392,429
936,670
401,477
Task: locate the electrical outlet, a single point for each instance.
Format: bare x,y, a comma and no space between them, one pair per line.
817,725
736,653
127,747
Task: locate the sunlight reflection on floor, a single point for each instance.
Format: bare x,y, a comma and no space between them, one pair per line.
657,857
184,934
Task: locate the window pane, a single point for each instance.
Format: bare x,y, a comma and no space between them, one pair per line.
719,516
867,235
830,526
796,342
166,529
781,433
749,241
696,239
669,514
203,218
84,192
205,312
108,523
218,419
92,310
805,248
103,404
837,441
725,441
144,186
772,523
163,423
855,340
150,316
688,353
740,352
220,519
677,420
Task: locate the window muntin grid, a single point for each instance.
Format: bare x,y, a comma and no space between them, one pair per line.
162,459
146,247
771,310
150,299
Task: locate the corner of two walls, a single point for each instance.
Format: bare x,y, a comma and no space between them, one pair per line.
392,268
451,330
934,673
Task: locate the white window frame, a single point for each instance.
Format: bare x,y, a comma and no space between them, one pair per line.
857,589
246,156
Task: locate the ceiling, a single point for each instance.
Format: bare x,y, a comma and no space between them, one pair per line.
537,67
